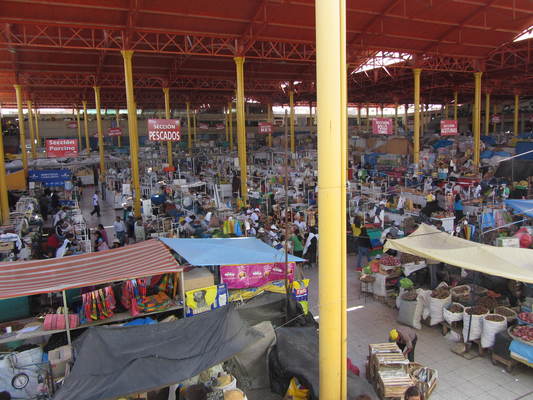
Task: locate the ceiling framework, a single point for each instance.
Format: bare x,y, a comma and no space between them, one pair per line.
59,49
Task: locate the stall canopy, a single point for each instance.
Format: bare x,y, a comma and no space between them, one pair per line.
43,276
118,361
521,206
429,242
234,251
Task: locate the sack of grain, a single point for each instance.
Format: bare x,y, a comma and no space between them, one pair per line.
473,322
436,306
509,314
453,312
492,324
410,313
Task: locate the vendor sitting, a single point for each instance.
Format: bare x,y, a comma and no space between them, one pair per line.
406,339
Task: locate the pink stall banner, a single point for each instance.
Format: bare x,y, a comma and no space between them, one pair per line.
254,275
382,126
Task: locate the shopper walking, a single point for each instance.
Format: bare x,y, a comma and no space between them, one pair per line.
120,230
96,204
363,248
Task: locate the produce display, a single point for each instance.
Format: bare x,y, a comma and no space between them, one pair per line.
476,310
389,261
487,302
523,332
526,317
455,308
495,318
441,293
506,312
409,295
406,283
406,258
442,214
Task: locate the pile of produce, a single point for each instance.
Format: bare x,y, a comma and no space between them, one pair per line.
440,293
526,317
505,312
367,278
389,261
487,302
409,295
523,332
461,293
442,214
495,318
479,290
476,310
410,258
456,308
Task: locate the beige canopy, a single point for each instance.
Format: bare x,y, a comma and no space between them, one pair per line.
429,242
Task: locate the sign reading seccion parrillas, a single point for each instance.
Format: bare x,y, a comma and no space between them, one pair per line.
164,130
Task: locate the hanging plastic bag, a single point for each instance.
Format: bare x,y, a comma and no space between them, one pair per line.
296,391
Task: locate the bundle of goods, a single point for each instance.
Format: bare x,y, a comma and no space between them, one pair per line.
492,324
453,312
135,296
473,322
58,321
487,302
406,258
98,304
523,333
387,370
439,299
461,293
525,318
509,314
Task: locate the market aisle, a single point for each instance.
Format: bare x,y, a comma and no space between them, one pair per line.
107,213
370,321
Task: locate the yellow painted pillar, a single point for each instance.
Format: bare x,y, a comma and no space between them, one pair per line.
516,113
477,117
230,116
487,113
37,131
269,119
86,127
32,131
416,128
291,104
79,127
132,130
100,130
455,105
396,118
241,128
226,123
331,101
4,201
189,131
194,127
117,120
166,92
22,128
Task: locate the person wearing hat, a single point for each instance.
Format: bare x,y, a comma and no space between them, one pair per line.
379,214
406,339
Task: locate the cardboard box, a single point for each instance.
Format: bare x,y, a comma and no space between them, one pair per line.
59,358
197,277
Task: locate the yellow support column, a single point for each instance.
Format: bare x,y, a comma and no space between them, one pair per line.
100,131
331,101
487,113
32,131
396,118
37,131
189,131
516,113
241,128
477,117
416,133
230,115
132,130
79,127
117,120
269,119
194,127
455,105
86,127
166,92
291,104
4,202
226,123
22,129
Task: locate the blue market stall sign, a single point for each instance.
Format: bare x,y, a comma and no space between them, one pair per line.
50,177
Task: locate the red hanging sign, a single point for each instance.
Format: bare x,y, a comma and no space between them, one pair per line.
219,127
203,126
264,128
382,126
164,130
61,147
448,127
496,119
114,131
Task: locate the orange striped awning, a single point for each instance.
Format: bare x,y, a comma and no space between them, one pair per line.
23,278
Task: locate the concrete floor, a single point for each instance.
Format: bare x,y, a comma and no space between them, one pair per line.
369,321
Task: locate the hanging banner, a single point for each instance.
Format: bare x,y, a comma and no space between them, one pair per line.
114,132
382,126
61,147
50,177
448,127
264,128
254,275
205,299
219,127
72,125
164,130
496,119
203,126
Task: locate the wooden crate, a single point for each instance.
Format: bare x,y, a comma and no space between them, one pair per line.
393,387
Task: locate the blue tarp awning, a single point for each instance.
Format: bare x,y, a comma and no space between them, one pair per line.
521,206
234,251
